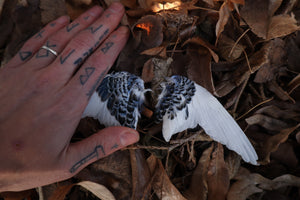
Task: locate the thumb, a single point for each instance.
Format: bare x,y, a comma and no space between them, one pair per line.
99,145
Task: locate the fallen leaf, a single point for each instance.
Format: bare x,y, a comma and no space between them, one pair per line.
98,190
273,143
224,14
198,188
1,6
152,30
245,186
256,14
226,50
279,92
269,123
217,175
162,186
282,25
156,51
140,175
199,67
148,71
293,84
52,9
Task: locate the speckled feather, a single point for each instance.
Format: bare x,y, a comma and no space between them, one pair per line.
117,101
183,104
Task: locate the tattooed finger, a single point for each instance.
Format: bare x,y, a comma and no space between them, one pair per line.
85,42
35,42
59,40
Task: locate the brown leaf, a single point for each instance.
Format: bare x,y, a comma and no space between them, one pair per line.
218,175
280,93
162,186
226,50
245,186
198,188
273,143
276,59
282,25
26,194
248,184
224,14
148,71
156,51
22,29
98,190
52,9
152,30
257,19
1,6
269,123
140,175
199,68
293,84
199,41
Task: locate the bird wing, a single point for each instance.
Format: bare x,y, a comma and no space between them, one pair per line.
117,101
199,107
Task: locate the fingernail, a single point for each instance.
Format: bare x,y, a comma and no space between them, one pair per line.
63,19
116,7
129,137
95,11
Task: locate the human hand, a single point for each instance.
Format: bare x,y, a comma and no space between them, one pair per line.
42,98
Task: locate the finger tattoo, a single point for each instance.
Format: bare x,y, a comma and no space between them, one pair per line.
70,27
87,158
85,77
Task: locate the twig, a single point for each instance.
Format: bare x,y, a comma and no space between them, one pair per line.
233,47
263,102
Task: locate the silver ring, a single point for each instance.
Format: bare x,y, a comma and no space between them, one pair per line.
48,49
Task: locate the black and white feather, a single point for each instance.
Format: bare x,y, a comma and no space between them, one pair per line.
117,101
183,104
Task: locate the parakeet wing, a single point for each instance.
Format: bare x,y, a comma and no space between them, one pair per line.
117,100
183,104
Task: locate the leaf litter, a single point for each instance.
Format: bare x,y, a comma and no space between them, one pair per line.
245,52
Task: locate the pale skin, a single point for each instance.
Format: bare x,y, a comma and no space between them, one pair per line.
42,98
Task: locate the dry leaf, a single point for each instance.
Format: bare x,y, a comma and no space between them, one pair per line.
152,30
148,71
52,9
98,190
280,93
199,68
248,184
226,50
224,14
162,186
199,41
140,175
282,25
293,84
218,175
273,143
1,6
198,188
256,14
266,122
156,51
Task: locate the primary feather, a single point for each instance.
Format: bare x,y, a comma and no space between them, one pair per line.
117,101
184,104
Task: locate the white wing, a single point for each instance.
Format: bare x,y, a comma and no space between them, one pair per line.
117,101
204,109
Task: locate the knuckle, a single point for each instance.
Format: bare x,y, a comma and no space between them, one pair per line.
81,41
